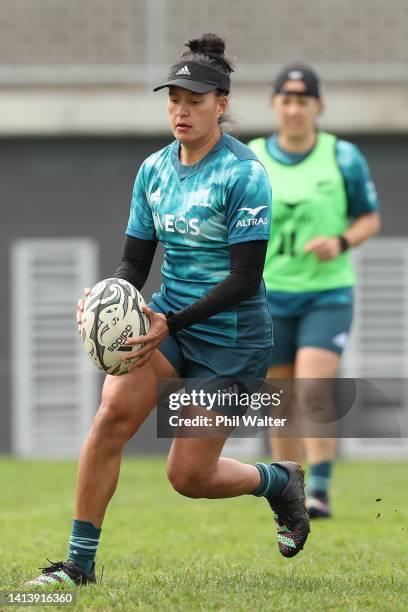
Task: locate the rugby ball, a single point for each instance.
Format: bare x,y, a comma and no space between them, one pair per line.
112,314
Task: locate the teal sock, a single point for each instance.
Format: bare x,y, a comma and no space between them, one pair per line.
274,479
319,478
83,544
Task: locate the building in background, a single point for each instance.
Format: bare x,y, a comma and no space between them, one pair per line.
87,66
77,116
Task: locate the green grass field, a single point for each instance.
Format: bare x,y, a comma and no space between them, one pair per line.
165,552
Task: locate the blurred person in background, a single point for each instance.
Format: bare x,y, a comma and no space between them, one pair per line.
324,204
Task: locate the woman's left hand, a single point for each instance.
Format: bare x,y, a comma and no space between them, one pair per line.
157,332
325,248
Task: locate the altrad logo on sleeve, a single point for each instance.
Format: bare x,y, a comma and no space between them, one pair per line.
253,218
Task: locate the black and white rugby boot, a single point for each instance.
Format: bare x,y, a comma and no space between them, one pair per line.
63,573
290,513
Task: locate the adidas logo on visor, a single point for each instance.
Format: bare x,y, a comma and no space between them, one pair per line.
183,70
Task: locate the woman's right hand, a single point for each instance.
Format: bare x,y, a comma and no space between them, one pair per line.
80,309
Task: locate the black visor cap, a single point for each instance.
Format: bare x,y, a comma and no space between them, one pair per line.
195,77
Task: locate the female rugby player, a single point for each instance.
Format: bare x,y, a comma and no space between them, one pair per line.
207,199
324,204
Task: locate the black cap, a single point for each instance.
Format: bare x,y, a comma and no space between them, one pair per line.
299,72
196,77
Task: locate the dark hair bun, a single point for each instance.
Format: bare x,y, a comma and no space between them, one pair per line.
208,44
213,47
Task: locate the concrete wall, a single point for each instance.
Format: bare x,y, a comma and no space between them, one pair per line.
365,40
88,66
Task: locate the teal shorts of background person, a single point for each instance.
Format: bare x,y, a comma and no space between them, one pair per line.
315,319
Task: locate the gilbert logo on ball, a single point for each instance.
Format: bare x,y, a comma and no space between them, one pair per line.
112,314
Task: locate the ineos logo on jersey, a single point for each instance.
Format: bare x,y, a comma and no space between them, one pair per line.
177,224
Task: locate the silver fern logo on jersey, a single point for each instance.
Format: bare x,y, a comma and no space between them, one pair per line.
200,198
156,196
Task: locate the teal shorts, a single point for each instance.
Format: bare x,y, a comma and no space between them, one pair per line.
217,366
325,327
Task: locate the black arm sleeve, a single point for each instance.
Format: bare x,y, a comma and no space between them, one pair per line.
246,268
136,261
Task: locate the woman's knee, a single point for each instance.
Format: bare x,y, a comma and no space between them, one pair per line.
188,481
121,414
113,420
